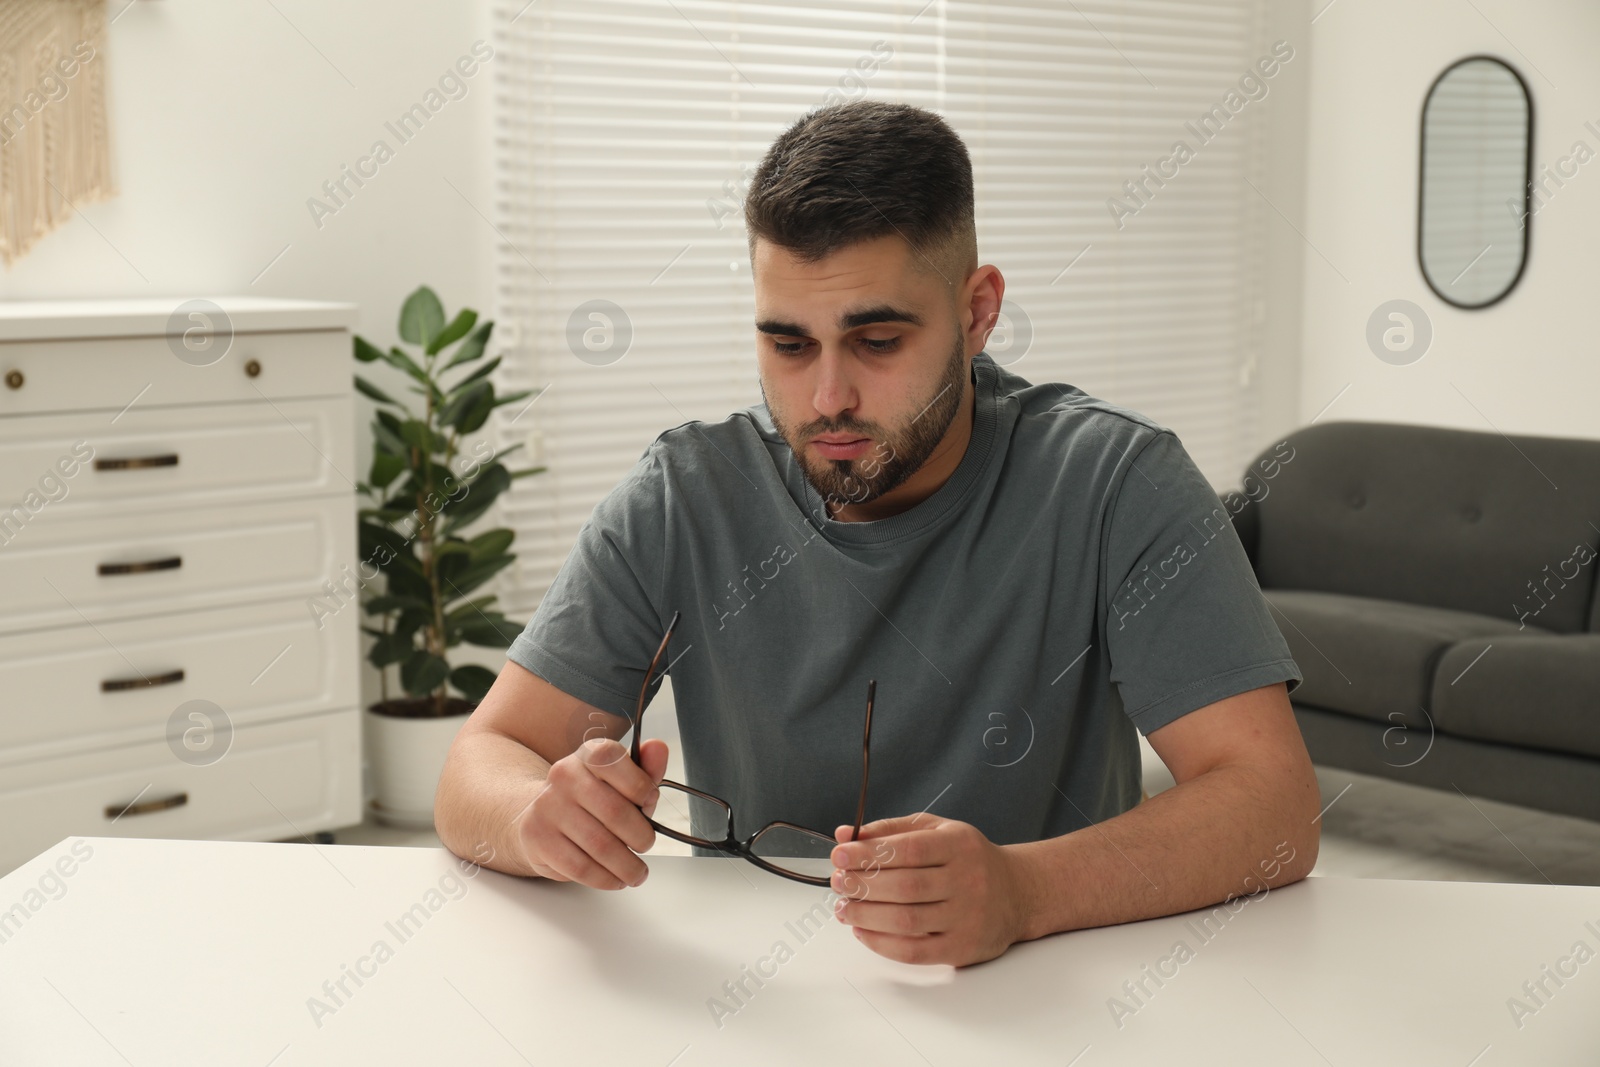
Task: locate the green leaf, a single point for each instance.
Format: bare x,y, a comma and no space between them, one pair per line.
416,434
396,357
421,317
490,543
512,398
423,672
388,421
402,500
388,439
389,649
495,632
368,389
450,567
530,470
386,467
507,451
479,394
476,415
403,581
481,492
376,535
477,574
366,351
473,346
455,331
474,608
482,372
410,621
473,681
380,605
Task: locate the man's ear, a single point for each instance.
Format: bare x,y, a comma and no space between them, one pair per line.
982,296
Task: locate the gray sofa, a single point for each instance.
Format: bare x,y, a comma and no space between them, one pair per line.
1438,589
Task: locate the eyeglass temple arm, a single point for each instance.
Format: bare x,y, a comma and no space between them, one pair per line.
866,760
638,711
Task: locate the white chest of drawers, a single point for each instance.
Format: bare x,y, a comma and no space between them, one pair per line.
175,492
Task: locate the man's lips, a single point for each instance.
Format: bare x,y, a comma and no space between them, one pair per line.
836,446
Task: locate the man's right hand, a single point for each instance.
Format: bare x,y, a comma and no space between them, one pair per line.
585,825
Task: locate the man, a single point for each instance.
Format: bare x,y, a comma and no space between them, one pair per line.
1029,573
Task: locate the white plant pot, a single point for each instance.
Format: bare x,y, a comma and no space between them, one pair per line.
404,759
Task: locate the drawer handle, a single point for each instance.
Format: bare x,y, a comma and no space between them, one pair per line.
13,379
117,811
134,463
170,563
117,685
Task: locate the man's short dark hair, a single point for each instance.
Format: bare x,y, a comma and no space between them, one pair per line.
860,170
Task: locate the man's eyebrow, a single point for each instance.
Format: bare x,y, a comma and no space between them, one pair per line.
881,313
848,321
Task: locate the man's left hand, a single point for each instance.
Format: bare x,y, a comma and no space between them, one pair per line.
925,889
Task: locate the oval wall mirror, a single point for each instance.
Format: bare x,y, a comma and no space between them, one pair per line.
1473,196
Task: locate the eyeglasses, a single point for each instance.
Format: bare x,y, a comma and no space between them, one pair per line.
784,848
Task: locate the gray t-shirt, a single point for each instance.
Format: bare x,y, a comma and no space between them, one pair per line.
1076,578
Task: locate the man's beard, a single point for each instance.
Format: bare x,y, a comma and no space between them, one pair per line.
892,458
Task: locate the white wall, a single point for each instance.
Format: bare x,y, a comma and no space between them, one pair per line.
227,117
1525,365
1285,139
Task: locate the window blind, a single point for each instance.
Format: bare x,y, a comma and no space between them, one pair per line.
627,129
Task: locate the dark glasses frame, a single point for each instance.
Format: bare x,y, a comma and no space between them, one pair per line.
730,843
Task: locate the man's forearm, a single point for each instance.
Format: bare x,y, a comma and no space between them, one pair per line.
1226,833
488,781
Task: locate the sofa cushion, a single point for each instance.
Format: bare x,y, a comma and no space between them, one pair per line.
1504,526
1533,690
1370,657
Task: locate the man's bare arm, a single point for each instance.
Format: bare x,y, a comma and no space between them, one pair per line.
1241,819
537,782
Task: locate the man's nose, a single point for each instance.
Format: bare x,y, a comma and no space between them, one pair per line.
834,389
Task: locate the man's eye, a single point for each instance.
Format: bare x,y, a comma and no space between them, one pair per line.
887,344
788,348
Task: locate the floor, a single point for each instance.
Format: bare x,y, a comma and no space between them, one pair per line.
1371,828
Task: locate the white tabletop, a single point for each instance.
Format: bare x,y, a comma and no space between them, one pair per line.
189,952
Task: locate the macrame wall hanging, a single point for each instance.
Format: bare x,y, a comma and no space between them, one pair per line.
55,145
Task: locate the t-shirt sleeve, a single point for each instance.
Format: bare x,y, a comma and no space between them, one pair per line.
1185,624
597,627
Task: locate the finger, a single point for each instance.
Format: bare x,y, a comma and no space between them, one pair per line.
653,758
624,775
926,948
603,846
900,824
905,920
559,853
915,848
598,752
615,812
896,885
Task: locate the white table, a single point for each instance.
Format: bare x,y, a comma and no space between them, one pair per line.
196,952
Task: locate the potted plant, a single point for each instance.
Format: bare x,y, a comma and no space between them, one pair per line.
412,535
